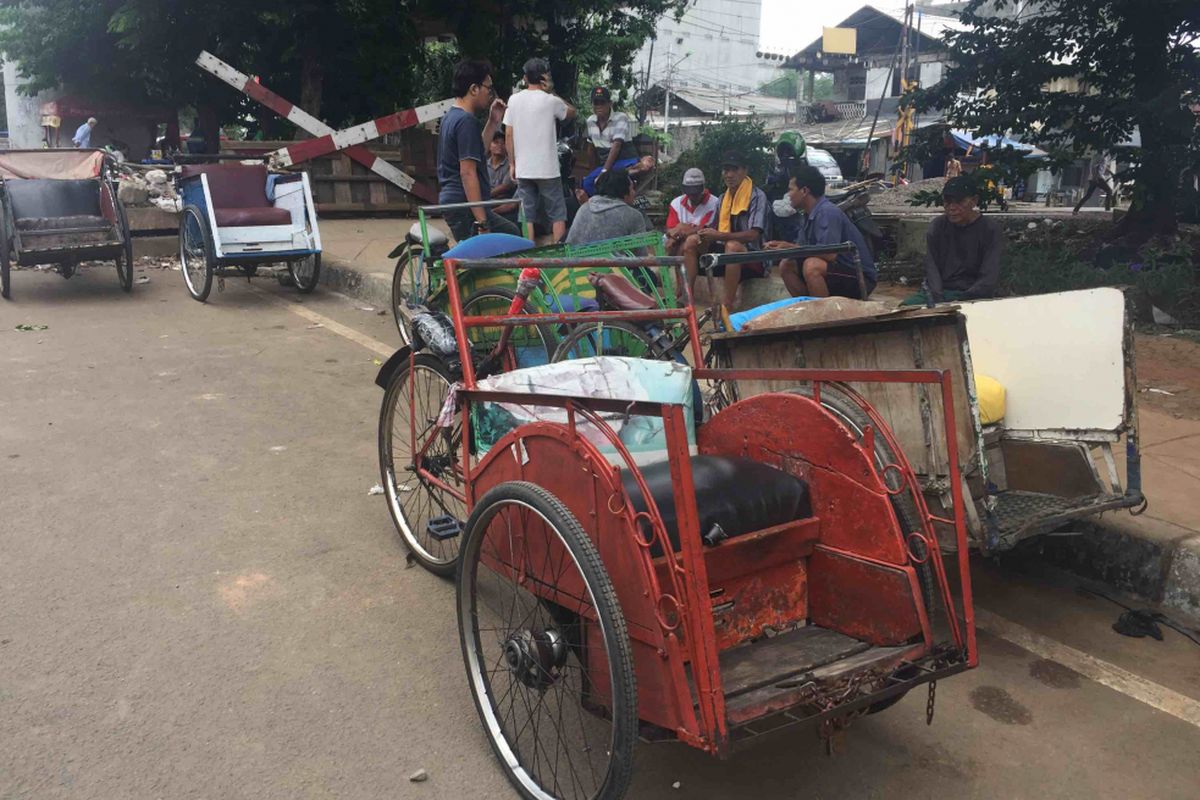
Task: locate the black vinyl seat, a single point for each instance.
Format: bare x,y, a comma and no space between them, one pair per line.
734,496
43,199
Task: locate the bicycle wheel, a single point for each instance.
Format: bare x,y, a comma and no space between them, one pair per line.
903,503
607,339
546,648
427,516
306,273
529,345
197,256
5,253
125,260
410,288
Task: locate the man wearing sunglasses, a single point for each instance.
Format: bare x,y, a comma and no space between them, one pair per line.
462,175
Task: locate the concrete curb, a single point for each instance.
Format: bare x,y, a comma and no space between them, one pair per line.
370,287
1140,556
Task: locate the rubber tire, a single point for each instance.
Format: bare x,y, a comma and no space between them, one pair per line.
549,339
400,293
903,504
125,276
563,351
5,252
200,294
308,288
591,568
444,569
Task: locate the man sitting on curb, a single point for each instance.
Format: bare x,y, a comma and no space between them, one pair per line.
824,223
696,208
963,249
741,219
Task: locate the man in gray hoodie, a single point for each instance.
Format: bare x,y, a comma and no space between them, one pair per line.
609,214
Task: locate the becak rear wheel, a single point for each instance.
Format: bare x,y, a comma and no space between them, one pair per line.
197,253
546,648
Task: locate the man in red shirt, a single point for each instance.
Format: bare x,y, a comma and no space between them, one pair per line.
696,208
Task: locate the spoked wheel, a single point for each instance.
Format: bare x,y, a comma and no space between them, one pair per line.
197,256
429,517
903,503
546,648
306,272
607,339
529,345
125,260
410,288
5,253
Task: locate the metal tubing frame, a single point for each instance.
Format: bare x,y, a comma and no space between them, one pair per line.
710,260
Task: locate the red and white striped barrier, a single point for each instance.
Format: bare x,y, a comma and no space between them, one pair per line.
350,144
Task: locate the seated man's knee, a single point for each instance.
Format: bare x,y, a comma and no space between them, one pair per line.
789,267
735,247
691,244
815,268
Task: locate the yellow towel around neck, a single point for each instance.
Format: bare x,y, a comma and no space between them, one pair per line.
734,202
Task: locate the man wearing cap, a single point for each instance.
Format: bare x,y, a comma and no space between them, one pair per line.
836,274
696,208
741,220
611,134
532,139
963,249
83,134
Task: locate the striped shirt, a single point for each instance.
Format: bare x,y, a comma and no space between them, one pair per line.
619,127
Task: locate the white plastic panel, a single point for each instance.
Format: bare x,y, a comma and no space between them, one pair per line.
1059,356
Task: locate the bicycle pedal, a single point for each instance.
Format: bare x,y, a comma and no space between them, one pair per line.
443,527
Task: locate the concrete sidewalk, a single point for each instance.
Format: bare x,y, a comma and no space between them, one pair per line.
354,257
1155,555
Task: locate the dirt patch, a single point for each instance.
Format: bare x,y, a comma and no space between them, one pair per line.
1054,674
1171,366
1000,705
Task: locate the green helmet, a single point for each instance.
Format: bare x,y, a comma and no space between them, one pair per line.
794,139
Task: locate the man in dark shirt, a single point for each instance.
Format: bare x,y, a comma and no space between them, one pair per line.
963,249
824,223
461,169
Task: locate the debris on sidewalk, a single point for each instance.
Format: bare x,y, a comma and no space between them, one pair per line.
23,327
374,490
142,279
420,776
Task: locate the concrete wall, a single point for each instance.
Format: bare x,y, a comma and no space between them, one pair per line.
24,121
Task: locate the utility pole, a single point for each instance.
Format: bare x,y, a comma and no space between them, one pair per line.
667,86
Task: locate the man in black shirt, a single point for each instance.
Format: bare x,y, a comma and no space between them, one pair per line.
963,249
462,172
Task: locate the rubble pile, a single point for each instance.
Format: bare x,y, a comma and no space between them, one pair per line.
141,186
900,195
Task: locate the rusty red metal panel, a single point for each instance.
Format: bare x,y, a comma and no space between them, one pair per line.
256,91
795,434
870,601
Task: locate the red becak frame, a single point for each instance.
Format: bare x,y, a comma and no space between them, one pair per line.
667,599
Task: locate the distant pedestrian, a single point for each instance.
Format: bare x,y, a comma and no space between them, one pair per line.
531,130
83,134
462,173
1099,180
953,167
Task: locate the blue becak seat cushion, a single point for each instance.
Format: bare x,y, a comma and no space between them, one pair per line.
489,245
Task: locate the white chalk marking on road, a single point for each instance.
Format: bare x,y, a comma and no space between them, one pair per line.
1098,670
372,344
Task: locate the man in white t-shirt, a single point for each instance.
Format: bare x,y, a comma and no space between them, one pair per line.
532,140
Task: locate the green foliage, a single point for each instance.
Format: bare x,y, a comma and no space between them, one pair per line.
1079,76
745,136
1060,258
791,85
579,37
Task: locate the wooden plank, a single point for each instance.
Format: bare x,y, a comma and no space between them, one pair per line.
341,189
768,661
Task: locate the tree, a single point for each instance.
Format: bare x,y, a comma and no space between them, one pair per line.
1081,76
747,136
577,36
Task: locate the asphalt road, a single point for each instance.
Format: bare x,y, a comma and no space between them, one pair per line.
199,599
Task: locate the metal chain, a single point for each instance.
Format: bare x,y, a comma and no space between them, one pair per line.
929,703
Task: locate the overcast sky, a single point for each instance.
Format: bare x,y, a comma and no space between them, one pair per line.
788,25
